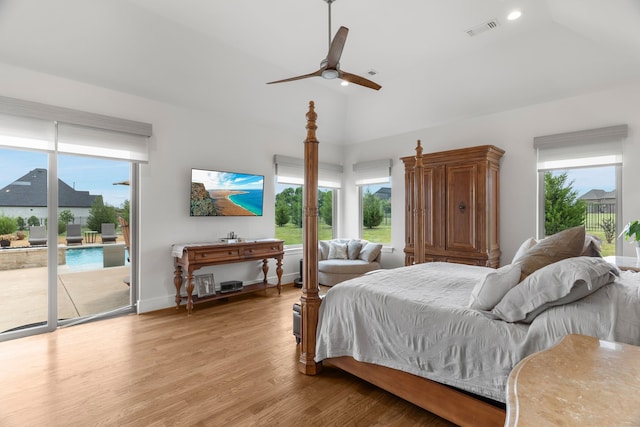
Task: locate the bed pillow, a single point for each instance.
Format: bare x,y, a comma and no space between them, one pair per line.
565,244
489,291
337,250
370,252
592,246
524,247
353,249
559,283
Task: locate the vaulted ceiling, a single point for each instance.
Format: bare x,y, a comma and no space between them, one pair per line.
217,55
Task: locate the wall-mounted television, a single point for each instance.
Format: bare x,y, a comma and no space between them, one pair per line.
220,193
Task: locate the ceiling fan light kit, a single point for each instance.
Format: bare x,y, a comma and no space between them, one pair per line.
330,66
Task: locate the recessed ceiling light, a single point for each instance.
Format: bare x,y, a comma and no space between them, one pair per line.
514,15
344,83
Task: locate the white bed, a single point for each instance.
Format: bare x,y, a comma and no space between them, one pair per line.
416,319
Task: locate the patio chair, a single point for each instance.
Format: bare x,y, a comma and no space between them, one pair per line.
37,235
74,234
108,233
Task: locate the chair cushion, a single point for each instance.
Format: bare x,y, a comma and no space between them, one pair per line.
356,266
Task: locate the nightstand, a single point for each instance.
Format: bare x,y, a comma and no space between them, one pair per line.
580,381
624,262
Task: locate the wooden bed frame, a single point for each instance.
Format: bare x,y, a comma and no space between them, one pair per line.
447,402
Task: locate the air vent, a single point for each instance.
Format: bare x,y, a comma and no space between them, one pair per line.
478,29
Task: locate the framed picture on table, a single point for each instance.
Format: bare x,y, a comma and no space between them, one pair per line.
205,285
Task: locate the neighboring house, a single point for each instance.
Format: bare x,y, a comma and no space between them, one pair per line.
599,200
383,193
27,196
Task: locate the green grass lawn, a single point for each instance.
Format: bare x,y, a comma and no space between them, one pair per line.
292,235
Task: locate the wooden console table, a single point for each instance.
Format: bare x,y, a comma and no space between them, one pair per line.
197,255
581,381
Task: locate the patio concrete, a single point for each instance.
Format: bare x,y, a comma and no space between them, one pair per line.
24,294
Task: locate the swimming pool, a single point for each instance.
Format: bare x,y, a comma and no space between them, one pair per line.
82,259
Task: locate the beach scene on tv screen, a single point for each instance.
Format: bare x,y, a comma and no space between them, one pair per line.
216,193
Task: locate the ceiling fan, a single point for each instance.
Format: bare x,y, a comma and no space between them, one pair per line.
330,66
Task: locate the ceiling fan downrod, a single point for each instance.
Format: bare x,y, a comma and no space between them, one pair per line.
329,32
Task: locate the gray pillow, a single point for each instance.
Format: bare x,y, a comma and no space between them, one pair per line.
559,283
489,291
370,252
323,249
353,249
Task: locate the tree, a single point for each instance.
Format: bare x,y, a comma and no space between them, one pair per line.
282,213
562,209
292,198
33,220
66,216
21,223
101,213
372,213
609,227
326,206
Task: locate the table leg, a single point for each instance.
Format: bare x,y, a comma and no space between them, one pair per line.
189,293
177,282
279,273
265,270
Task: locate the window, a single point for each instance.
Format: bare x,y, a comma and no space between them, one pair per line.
289,199
289,217
374,186
579,183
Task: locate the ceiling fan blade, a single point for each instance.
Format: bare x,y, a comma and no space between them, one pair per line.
352,78
335,50
305,76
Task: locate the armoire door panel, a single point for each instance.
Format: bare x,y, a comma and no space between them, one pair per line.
461,207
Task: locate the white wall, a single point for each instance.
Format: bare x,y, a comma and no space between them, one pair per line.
512,131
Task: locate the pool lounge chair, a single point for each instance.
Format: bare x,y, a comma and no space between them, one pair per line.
108,233
74,234
124,226
37,235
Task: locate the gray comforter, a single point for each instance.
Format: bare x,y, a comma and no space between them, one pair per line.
416,319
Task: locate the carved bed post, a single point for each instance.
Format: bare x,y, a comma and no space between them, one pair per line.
310,300
418,208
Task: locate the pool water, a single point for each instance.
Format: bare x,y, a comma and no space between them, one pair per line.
82,259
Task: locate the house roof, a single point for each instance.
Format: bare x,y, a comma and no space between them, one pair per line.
596,194
31,190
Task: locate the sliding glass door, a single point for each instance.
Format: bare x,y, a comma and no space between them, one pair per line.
68,204
24,287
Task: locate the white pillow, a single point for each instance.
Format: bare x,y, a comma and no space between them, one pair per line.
559,283
490,290
337,250
524,247
370,252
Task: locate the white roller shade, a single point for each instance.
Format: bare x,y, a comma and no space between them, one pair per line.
290,170
74,139
26,133
373,172
593,147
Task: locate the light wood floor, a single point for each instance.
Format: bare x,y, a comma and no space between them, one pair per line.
232,363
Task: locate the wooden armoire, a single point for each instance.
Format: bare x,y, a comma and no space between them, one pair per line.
452,206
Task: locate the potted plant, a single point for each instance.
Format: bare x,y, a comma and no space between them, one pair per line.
631,232
5,239
8,226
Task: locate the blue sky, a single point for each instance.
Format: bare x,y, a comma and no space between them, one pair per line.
82,173
585,179
216,180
